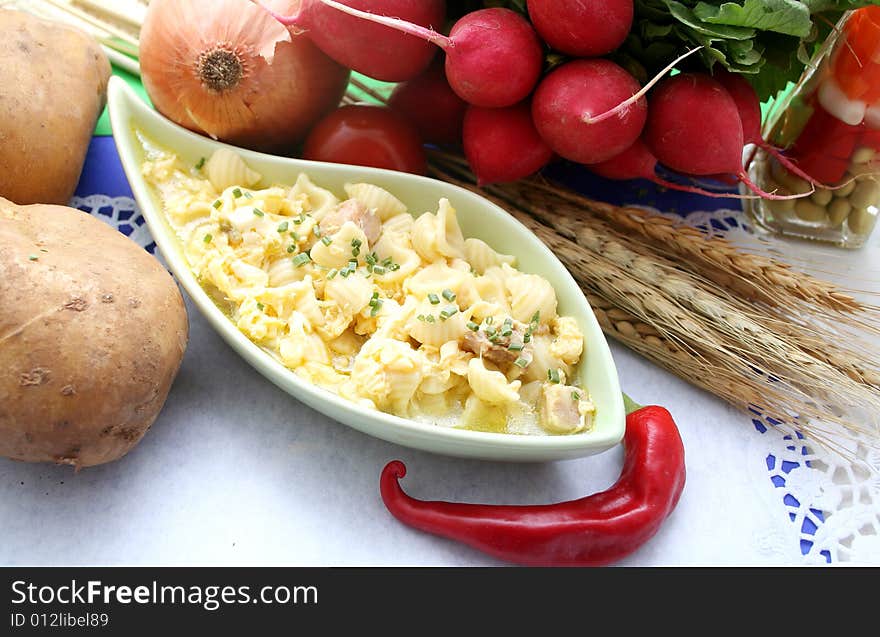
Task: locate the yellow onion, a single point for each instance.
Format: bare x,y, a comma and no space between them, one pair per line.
228,69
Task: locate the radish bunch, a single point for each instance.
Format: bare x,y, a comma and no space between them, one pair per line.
513,117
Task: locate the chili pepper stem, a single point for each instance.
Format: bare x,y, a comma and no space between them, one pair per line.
629,404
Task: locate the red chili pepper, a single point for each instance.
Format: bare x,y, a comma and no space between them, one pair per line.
592,531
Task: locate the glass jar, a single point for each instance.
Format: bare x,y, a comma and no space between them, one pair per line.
829,128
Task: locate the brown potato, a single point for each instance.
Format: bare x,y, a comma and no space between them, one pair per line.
53,82
92,333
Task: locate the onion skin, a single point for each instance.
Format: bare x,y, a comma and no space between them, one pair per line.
228,70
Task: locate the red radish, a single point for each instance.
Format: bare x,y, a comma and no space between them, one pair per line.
431,105
749,108
370,48
501,144
570,94
582,29
637,162
493,56
694,128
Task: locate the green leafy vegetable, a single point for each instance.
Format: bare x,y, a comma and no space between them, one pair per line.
768,41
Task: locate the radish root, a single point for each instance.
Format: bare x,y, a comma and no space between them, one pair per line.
595,119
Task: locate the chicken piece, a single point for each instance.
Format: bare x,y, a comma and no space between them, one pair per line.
354,211
478,343
561,409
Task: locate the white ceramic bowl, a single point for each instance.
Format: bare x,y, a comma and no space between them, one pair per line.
478,218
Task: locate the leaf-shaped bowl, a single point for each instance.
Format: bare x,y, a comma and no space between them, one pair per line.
478,217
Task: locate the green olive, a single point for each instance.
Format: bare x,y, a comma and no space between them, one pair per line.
861,221
863,155
838,211
822,197
809,211
844,191
866,193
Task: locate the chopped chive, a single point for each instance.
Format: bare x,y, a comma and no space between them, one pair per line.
575,396
317,230
355,251
494,339
434,299
217,204
248,195
394,267
291,249
448,294
421,317
355,243
282,227
515,347
536,317
200,163
376,307
521,362
301,259
299,219
344,273
430,318
208,238
489,320
527,337
236,192
472,326
326,241
553,376
260,306
33,257
490,331
387,261
332,274
259,212
450,310
294,235
378,269
371,259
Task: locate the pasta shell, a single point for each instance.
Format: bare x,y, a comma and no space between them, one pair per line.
529,294
438,236
316,201
481,256
375,198
225,168
491,386
351,293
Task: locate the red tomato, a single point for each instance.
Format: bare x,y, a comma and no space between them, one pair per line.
367,136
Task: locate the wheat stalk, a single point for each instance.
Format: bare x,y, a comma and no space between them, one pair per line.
749,272
729,312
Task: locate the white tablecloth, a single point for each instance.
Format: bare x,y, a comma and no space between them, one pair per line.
235,471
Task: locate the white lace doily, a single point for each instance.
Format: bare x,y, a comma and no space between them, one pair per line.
834,503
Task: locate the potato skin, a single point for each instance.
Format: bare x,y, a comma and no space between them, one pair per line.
92,333
53,87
